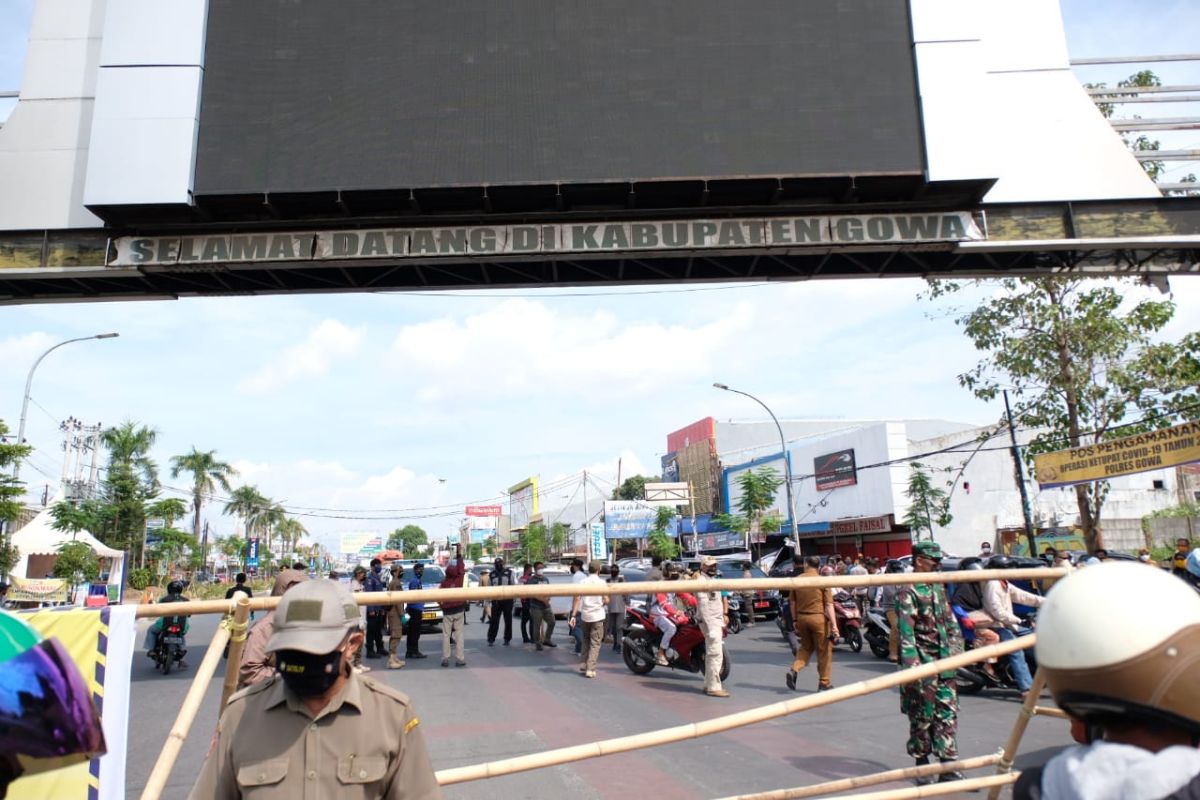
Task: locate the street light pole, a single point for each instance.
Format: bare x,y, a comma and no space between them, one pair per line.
29,386
787,462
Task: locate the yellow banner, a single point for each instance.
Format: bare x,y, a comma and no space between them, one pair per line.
38,590
1169,447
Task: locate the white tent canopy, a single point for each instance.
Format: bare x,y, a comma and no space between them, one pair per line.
38,538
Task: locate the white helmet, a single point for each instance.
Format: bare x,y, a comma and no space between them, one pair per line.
1106,655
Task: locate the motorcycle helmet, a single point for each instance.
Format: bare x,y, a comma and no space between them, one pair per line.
175,587
894,566
1001,562
974,562
1105,658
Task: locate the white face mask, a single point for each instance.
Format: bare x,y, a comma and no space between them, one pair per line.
537,572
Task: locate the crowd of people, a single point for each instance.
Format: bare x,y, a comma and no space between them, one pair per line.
1118,718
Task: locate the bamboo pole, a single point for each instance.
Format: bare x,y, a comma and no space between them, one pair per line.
238,625
1008,754
739,719
846,784
1046,711
737,585
187,714
996,782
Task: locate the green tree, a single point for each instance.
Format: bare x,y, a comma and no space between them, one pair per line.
633,488
475,551
1081,366
173,545
290,532
207,474
660,542
1141,143
407,539
168,510
11,490
131,481
247,503
74,517
927,504
556,540
531,544
76,563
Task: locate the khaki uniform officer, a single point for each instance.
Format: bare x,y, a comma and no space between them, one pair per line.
816,628
711,612
317,729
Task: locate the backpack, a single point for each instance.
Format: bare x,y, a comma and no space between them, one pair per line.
969,596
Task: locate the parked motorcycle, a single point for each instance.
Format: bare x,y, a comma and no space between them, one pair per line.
877,631
169,650
849,620
735,613
640,641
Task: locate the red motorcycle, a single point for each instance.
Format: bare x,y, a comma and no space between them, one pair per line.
640,641
849,620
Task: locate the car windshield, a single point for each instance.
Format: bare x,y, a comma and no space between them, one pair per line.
433,576
732,569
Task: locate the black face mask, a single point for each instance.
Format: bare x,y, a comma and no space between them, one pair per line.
309,674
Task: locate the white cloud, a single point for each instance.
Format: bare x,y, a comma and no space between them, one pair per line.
327,343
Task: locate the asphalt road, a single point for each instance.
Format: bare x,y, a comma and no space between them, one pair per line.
511,701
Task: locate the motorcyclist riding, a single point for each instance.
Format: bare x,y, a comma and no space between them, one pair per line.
174,595
998,597
665,616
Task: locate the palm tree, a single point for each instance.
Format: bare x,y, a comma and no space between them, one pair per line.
207,475
291,530
248,503
132,478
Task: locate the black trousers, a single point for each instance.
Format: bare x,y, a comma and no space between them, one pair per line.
375,633
414,633
525,617
501,608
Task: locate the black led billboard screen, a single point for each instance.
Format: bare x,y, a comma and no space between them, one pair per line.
362,94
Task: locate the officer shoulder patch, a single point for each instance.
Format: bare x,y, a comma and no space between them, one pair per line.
254,688
386,691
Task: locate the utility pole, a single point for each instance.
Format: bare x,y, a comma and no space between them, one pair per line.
204,547
1019,473
587,527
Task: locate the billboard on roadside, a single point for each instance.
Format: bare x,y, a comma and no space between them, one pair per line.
523,503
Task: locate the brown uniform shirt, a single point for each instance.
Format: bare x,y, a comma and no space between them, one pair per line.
256,664
366,743
810,601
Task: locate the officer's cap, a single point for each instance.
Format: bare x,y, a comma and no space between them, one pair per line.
313,617
928,549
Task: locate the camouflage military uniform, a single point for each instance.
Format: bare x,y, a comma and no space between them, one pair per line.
928,631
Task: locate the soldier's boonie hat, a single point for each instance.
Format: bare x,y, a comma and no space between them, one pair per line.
928,549
313,617
708,561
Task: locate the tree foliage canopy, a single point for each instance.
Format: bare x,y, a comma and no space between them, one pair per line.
633,488
1082,362
407,539
928,504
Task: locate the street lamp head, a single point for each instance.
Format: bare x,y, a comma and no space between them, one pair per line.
720,386
106,336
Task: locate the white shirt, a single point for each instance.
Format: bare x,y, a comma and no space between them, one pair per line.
592,607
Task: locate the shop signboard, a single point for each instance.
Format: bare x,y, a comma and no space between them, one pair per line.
835,470
1161,449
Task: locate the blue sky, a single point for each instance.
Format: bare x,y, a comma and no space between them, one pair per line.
388,401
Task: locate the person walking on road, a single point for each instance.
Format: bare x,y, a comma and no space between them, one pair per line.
395,618
416,613
748,597
577,576
541,616
526,574
454,613
712,612
501,609
317,728
616,608
376,615
815,625
485,579
928,631
239,585
587,616
358,580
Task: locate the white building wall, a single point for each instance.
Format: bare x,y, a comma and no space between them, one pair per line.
993,500
44,143
999,100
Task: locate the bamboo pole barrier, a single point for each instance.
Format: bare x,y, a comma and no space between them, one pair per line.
694,730
736,585
1046,711
996,782
846,784
187,714
1008,754
239,624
